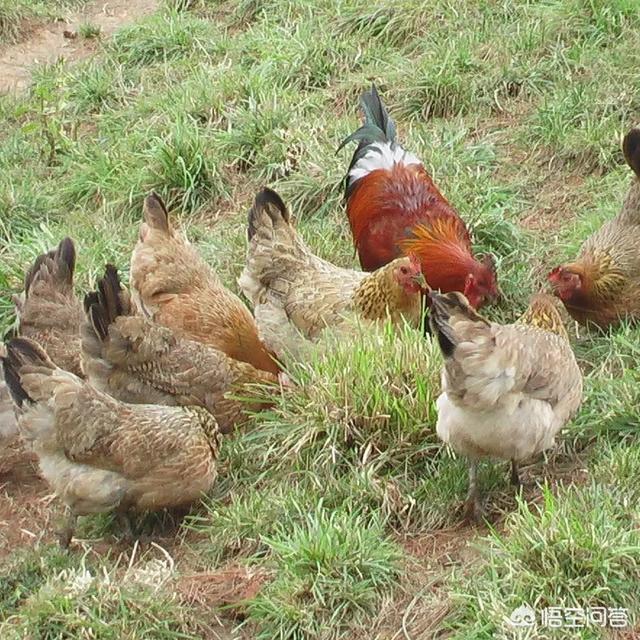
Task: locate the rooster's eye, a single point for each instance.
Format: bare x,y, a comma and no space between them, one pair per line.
403,270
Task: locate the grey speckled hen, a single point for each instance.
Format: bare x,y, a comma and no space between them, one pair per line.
507,390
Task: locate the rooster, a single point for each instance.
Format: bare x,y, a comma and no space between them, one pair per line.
602,285
507,390
394,207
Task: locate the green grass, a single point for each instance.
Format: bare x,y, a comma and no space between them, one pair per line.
17,16
89,31
517,109
330,571
551,556
77,597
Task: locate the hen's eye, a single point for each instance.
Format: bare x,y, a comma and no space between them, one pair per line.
403,270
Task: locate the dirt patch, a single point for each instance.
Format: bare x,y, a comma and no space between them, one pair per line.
558,197
25,513
228,587
61,39
422,601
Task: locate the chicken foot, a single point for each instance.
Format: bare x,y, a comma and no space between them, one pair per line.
66,531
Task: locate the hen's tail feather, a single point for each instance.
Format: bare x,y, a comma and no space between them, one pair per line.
59,263
106,304
12,380
155,213
21,352
269,202
66,255
439,321
631,150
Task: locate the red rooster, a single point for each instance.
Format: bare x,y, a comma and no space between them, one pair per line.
394,208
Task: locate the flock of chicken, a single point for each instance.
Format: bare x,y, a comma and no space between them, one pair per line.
124,399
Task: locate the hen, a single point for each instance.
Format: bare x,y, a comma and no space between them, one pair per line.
602,285
507,390
394,207
100,454
8,425
173,285
48,310
290,287
135,360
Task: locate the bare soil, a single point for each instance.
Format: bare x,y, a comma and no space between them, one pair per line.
24,501
55,40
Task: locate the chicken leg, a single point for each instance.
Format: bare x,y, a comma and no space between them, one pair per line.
473,511
515,476
68,529
124,522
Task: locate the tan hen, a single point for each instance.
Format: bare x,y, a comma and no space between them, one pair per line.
176,288
294,292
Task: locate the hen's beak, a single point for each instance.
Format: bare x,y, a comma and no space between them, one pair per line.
421,281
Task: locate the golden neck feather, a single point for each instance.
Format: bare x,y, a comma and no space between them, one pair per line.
543,314
601,278
380,293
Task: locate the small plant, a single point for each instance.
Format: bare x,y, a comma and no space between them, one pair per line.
162,37
89,31
181,167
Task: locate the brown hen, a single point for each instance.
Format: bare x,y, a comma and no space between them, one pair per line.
176,288
136,360
100,454
48,311
602,285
